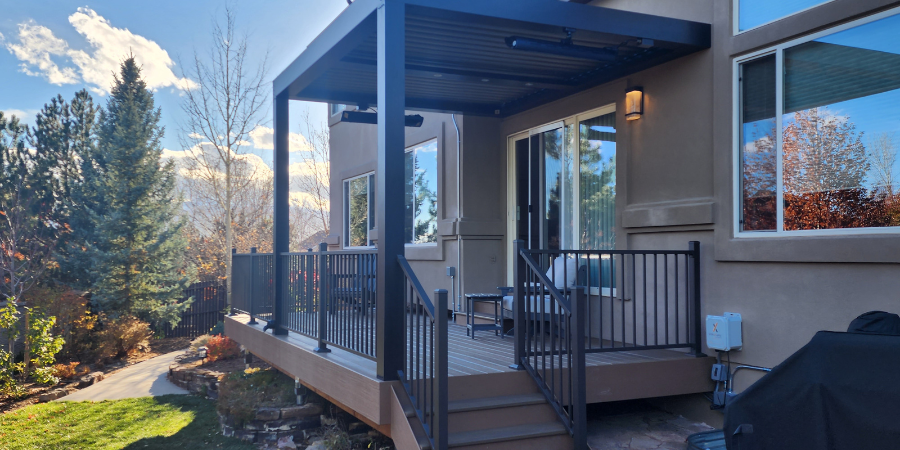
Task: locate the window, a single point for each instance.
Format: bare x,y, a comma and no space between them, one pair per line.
359,210
336,108
597,182
420,224
755,13
818,133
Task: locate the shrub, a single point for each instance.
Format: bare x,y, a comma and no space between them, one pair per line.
43,346
123,336
69,370
221,347
200,341
219,328
74,321
241,393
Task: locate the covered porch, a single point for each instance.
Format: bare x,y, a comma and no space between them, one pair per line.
364,314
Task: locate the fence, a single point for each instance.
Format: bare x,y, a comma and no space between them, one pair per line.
327,296
207,309
570,303
425,370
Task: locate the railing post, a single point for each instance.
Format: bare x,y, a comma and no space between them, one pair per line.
695,299
254,272
579,384
321,312
229,283
440,369
519,305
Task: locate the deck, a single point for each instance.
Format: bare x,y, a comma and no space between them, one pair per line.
476,367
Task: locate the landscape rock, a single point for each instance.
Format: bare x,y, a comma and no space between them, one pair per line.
307,410
227,431
286,442
246,436
317,445
268,413
327,421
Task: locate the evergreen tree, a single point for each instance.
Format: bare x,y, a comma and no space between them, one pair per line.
137,248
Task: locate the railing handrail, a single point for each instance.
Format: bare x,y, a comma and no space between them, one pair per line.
411,276
428,354
609,252
547,284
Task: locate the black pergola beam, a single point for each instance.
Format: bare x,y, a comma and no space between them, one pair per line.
343,35
412,104
390,305
477,76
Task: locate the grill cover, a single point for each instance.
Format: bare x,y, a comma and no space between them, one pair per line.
840,391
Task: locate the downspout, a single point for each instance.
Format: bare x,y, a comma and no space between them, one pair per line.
457,288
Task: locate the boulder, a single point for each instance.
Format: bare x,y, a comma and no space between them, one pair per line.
246,436
268,413
302,411
286,442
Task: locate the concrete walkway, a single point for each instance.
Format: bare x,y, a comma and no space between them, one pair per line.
144,379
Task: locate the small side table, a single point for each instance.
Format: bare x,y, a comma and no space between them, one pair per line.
471,326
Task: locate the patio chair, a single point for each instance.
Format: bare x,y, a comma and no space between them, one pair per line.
356,287
565,276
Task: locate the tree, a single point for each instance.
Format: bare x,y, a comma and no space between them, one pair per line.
65,134
222,111
825,165
29,225
137,246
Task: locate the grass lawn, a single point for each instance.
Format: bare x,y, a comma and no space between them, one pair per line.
170,422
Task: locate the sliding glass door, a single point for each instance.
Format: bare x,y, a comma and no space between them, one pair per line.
563,183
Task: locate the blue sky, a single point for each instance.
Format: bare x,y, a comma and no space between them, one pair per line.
51,47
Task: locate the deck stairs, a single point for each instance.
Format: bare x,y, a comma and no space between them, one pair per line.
499,413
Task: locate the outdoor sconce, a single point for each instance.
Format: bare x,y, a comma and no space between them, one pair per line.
201,352
634,103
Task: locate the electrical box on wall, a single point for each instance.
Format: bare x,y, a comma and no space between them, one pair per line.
724,332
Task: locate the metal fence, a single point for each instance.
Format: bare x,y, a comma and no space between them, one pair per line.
253,284
570,303
425,371
206,310
327,296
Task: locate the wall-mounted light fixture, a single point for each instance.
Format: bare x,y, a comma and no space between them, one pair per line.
634,103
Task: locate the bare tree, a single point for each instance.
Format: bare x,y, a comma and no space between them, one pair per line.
222,111
882,157
310,211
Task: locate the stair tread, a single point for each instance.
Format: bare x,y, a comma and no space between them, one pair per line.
476,404
517,432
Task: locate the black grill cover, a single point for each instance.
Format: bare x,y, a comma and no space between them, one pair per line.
840,391
876,322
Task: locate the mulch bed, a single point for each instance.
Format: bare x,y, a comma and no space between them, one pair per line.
158,347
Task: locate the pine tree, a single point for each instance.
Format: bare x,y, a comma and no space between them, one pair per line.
138,247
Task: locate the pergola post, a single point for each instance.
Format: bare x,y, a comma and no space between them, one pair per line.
390,177
280,232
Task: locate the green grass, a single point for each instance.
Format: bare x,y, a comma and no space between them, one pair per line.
170,422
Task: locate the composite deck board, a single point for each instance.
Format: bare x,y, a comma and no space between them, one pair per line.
486,354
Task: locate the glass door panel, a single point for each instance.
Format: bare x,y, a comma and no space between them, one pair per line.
597,182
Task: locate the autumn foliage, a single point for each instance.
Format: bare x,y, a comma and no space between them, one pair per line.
221,347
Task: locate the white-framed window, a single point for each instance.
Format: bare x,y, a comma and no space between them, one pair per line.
750,14
817,133
420,221
336,108
359,210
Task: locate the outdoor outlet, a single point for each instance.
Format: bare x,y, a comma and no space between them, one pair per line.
719,372
451,271
723,333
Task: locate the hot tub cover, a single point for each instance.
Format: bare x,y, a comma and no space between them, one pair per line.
840,391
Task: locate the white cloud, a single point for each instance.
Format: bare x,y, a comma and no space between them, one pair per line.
23,115
42,53
37,45
255,164
264,138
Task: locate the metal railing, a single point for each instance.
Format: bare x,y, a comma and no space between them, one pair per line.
327,296
570,303
253,284
425,368
349,287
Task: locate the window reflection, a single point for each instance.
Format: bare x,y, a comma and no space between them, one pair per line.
420,224
841,112
597,182
758,162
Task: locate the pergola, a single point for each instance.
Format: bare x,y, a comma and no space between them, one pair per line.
454,56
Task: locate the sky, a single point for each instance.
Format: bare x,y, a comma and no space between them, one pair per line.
52,47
